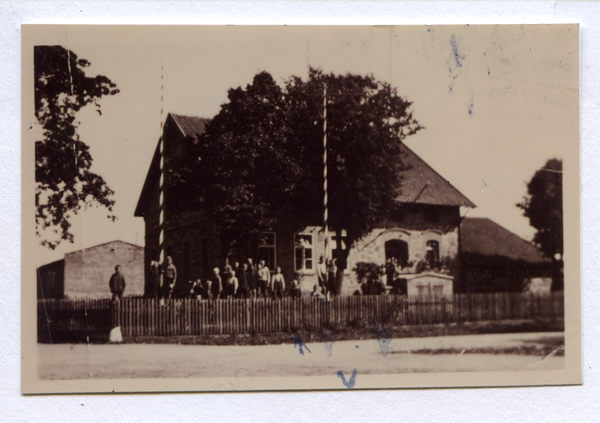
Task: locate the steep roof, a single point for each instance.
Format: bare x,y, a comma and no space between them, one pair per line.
482,236
423,185
190,126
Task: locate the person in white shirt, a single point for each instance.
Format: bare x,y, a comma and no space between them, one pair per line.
231,285
278,284
322,273
264,279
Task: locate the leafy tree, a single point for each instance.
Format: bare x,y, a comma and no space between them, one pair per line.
543,207
261,159
62,161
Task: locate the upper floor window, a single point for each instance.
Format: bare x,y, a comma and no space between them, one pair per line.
303,248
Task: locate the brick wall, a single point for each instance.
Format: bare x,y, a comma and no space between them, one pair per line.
88,271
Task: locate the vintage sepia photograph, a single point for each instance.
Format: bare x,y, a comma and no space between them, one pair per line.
232,208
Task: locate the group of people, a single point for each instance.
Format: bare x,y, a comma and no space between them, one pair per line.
243,280
167,275
329,277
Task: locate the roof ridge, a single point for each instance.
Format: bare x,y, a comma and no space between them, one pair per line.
440,176
104,243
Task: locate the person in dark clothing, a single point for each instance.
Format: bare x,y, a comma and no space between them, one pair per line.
243,289
171,279
197,290
251,273
153,286
217,286
332,272
295,291
117,284
207,290
227,269
278,284
231,286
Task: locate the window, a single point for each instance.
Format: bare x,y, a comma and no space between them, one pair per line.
266,250
438,291
423,290
303,247
433,253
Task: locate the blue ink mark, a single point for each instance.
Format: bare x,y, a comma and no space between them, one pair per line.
357,346
350,383
455,76
471,107
328,338
384,337
455,51
329,347
298,342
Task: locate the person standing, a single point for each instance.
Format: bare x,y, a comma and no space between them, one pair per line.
236,268
251,274
171,278
117,284
278,284
243,289
264,278
216,286
322,273
207,293
153,287
227,269
231,285
332,277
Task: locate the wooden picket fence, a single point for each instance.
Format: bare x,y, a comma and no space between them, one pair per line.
148,317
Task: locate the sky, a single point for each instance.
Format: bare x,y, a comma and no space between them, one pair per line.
496,101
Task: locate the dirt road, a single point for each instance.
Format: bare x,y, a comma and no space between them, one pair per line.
496,352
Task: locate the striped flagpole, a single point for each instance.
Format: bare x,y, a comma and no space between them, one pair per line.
327,251
161,219
161,236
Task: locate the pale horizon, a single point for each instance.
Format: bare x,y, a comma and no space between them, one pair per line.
491,118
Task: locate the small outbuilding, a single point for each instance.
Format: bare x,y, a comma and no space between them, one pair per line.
85,273
493,259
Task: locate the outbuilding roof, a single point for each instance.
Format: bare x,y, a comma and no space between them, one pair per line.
484,237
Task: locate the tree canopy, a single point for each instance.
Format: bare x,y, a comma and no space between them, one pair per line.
62,161
261,158
544,208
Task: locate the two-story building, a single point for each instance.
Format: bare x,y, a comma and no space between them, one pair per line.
424,229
